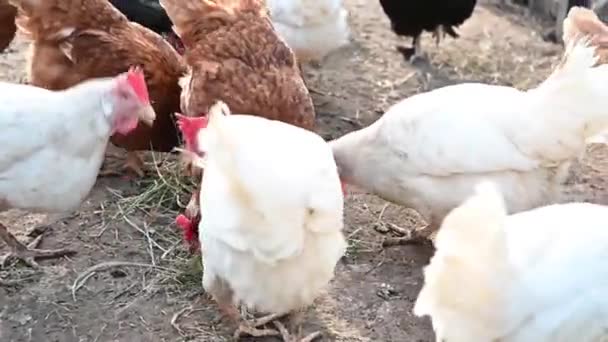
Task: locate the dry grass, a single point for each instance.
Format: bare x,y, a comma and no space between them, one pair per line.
158,198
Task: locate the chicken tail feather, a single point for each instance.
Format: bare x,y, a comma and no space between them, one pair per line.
579,56
460,279
222,149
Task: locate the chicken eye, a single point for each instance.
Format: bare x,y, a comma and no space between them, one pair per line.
124,95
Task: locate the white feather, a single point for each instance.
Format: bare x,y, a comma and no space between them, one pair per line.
428,151
538,275
272,212
52,144
312,28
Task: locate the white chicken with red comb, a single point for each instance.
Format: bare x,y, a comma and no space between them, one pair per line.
271,227
53,143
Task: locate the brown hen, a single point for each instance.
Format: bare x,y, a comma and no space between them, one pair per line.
235,56
7,24
74,40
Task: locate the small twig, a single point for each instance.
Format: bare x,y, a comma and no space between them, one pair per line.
150,248
351,121
379,222
171,249
185,311
10,283
100,332
121,293
399,230
81,279
104,226
130,223
315,91
177,315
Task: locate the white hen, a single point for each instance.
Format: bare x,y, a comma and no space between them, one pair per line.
539,275
312,28
271,228
429,151
53,143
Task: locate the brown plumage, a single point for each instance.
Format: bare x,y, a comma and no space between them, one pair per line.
7,24
75,40
236,56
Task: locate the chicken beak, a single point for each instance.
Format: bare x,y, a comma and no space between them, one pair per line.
147,115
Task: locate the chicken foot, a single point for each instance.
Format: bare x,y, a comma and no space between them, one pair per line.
223,298
287,336
28,254
411,237
133,162
414,53
296,321
251,328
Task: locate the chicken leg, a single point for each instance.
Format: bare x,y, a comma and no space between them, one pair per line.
414,53
29,253
413,237
250,328
133,162
438,34
223,295
295,321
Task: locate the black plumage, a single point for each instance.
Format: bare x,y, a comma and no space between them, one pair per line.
571,3
148,13
410,18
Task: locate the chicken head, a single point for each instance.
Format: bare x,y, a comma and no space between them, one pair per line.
130,102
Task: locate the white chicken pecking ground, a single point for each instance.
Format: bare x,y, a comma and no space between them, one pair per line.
428,151
311,28
539,275
272,216
53,143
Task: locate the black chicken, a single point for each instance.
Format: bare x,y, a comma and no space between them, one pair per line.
412,17
151,14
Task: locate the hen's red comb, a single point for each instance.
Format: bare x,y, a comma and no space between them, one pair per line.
183,222
135,77
190,231
189,126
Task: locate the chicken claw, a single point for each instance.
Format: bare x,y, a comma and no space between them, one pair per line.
135,163
251,327
287,337
28,254
413,237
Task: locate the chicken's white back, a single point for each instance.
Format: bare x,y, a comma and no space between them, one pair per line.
48,142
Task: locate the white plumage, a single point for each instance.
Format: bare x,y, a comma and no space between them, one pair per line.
271,210
53,143
312,28
430,150
46,137
536,276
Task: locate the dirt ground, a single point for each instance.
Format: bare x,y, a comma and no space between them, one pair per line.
372,296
